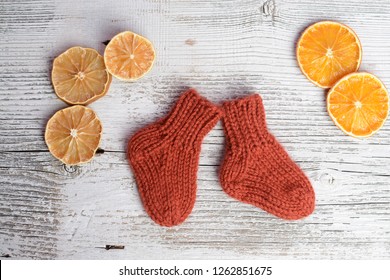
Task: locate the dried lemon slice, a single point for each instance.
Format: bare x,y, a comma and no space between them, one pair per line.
80,76
129,56
73,134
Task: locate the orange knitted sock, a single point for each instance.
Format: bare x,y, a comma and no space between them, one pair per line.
165,156
256,169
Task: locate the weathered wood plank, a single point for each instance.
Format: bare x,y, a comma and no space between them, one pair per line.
225,49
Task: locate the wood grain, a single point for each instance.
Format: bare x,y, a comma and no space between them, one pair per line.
225,49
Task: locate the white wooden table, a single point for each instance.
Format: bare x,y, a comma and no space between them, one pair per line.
225,49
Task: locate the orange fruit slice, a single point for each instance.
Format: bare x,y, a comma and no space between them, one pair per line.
73,134
129,56
358,104
80,76
327,51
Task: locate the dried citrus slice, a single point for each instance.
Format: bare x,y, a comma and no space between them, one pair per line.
327,51
129,56
80,76
73,134
358,104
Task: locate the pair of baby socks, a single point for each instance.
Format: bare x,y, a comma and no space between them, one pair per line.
256,169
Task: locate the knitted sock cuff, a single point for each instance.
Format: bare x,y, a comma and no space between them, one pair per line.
191,118
244,122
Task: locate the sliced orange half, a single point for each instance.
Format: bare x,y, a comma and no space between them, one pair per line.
327,51
80,76
358,104
73,134
129,56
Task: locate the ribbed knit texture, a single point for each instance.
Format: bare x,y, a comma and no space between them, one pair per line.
256,169
165,156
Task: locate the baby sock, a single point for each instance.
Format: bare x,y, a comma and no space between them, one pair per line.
165,157
256,169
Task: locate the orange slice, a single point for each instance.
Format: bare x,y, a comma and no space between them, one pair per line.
327,51
358,104
80,76
129,56
73,134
